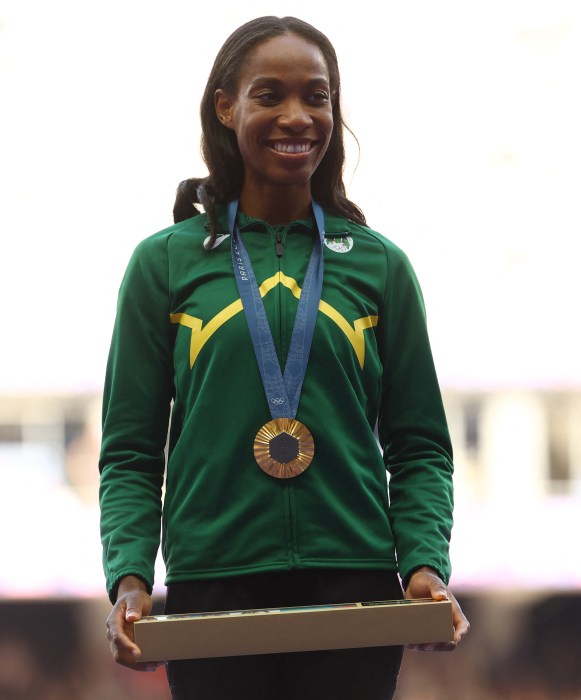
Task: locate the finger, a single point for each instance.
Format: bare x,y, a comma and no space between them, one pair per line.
116,626
129,659
122,644
461,624
134,612
461,630
439,590
426,583
146,666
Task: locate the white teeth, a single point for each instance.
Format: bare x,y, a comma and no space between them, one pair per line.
292,148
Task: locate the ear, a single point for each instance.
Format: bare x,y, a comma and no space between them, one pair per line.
224,108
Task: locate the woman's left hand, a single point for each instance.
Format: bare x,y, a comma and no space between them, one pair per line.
425,583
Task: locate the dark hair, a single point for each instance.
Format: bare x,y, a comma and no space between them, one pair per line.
219,145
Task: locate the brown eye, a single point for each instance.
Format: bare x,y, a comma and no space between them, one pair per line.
267,98
320,97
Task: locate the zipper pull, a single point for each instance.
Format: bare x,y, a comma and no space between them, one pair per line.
279,246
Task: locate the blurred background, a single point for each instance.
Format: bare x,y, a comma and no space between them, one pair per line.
467,118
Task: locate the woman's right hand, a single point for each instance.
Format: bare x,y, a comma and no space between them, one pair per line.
133,603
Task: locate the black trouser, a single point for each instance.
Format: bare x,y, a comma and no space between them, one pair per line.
345,674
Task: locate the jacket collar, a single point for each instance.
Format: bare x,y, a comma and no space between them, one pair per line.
334,225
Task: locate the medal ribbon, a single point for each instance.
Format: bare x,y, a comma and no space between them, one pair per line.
282,391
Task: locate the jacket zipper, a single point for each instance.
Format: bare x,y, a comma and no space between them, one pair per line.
293,557
279,246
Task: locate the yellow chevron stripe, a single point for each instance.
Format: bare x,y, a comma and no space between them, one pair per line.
201,335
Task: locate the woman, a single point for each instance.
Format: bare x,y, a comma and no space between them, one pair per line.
275,487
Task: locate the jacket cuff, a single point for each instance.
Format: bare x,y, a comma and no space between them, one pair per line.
113,589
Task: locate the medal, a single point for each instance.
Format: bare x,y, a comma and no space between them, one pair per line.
283,447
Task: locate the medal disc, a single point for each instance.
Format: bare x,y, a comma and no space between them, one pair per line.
284,448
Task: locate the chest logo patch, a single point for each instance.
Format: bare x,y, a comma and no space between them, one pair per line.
218,240
339,244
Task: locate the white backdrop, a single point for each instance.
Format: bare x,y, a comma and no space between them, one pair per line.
467,117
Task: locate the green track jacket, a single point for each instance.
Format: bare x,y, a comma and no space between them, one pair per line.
181,336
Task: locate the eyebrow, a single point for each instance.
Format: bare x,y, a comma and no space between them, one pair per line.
277,81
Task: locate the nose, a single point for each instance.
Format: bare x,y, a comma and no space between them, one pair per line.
294,115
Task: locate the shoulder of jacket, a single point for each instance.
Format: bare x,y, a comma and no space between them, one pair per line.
391,249
188,228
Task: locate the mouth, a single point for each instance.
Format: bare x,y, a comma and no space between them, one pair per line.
292,147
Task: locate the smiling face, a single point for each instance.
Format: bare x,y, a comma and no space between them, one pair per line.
282,115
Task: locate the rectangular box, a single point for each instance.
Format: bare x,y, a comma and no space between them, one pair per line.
310,628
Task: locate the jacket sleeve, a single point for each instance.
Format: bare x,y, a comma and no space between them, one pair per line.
136,408
412,428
